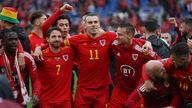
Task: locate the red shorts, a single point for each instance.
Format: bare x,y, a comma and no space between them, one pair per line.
96,98
118,98
66,104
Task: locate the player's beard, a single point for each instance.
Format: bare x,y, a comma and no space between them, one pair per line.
183,66
56,44
184,34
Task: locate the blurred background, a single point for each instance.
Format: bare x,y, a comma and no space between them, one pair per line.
111,12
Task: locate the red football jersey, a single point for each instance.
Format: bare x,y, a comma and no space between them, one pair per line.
94,59
55,74
183,79
165,95
129,64
35,40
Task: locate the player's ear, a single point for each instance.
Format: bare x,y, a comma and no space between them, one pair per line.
47,39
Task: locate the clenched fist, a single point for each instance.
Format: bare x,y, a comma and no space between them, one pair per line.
66,8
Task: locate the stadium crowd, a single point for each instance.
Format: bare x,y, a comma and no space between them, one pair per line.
126,53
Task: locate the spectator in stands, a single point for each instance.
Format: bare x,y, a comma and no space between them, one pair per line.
8,20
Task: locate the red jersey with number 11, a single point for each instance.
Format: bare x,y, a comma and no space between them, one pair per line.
94,59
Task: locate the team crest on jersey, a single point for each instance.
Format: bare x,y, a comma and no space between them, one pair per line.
65,57
134,56
102,42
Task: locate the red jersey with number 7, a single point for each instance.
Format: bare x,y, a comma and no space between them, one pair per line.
94,59
55,74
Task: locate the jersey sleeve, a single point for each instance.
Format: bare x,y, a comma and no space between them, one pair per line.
32,69
114,45
20,48
50,21
112,36
44,46
135,98
168,64
141,41
178,38
176,101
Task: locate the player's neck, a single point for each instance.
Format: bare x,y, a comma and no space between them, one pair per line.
128,44
93,35
54,50
149,34
38,32
10,53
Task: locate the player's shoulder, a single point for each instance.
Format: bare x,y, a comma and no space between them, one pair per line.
67,51
138,40
142,88
31,35
45,51
110,33
115,42
77,36
28,56
66,48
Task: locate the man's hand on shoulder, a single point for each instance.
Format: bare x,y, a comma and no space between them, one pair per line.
38,56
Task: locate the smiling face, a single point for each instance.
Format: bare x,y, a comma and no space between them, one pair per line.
92,25
10,42
122,36
167,37
55,39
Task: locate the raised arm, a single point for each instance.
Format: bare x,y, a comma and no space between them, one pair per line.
51,20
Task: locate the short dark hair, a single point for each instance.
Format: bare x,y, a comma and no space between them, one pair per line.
129,27
188,22
6,33
180,49
90,14
52,29
62,17
151,26
35,15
